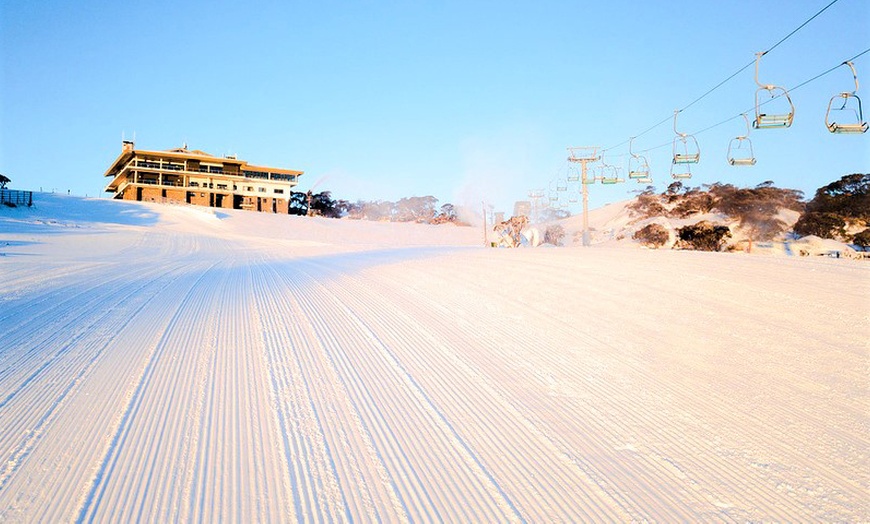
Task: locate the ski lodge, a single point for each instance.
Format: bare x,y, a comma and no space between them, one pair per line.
195,177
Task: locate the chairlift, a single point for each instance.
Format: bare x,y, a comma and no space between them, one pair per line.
561,185
856,124
740,149
573,175
638,167
553,194
609,174
681,171
767,120
573,198
686,149
647,180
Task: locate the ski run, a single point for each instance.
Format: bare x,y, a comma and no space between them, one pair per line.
170,363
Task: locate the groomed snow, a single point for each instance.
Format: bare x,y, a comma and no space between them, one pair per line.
166,363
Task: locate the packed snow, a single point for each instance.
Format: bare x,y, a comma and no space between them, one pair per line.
166,363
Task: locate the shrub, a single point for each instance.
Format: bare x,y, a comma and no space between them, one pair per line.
652,235
703,236
862,239
693,202
554,235
848,197
820,224
647,206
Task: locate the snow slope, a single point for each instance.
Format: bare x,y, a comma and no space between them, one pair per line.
163,363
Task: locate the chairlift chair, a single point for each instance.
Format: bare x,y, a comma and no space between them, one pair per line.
573,175
740,149
610,174
681,171
561,185
768,120
638,167
685,148
857,124
552,193
647,180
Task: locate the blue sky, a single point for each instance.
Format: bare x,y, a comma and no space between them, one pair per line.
466,101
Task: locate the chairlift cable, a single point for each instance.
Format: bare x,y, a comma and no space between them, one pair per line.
801,26
802,84
830,70
720,84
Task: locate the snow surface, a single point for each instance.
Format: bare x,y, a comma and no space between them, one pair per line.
164,363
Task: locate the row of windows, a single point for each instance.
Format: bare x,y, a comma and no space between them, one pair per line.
255,174
216,170
159,165
224,187
266,176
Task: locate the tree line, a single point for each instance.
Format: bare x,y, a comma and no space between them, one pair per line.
423,210
835,209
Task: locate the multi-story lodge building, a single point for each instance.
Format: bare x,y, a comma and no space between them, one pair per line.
195,177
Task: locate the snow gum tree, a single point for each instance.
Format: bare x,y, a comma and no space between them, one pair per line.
835,206
756,209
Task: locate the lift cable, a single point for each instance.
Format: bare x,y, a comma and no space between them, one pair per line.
738,115
720,84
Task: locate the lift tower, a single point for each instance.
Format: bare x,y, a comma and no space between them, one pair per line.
584,156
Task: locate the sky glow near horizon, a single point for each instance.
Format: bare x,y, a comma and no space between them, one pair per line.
466,101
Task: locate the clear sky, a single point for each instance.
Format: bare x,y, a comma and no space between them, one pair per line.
466,101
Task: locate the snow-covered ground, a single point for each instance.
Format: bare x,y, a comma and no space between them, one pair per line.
164,363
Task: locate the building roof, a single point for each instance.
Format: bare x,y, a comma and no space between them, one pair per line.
182,153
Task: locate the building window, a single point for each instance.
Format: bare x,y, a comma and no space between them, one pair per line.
194,184
255,174
221,186
279,191
249,188
261,189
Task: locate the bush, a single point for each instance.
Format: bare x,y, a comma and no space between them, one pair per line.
554,235
862,239
693,202
647,205
652,235
848,197
820,224
703,236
